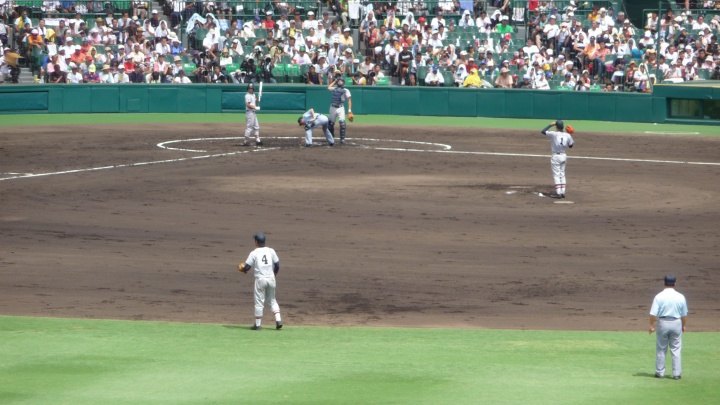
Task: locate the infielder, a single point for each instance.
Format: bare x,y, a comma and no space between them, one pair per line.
669,314
310,120
560,140
252,127
339,94
266,265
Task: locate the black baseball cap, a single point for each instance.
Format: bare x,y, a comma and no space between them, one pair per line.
670,279
259,237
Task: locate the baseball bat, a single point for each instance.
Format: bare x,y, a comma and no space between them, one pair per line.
260,93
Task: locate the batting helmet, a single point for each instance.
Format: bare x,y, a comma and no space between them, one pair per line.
259,238
251,86
559,124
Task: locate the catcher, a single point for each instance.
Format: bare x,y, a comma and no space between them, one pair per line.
338,95
560,140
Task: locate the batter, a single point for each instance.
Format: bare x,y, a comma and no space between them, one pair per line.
560,140
252,126
266,265
311,120
339,94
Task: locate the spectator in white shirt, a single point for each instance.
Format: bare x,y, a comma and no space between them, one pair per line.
181,78
466,20
311,22
434,77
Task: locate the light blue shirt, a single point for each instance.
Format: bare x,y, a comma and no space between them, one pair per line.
669,303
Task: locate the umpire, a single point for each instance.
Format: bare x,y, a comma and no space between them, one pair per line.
669,315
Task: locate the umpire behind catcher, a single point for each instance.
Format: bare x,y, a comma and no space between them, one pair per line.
669,314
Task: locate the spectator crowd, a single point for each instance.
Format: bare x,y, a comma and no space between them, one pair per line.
580,47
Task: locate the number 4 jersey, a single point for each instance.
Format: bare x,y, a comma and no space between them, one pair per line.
261,260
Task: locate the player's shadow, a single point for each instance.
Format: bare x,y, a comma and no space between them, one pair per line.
236,327
641,374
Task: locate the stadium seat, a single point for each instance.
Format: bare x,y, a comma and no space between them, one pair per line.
449,78
280,72
231,68
421,73
189,68
383,81
293,74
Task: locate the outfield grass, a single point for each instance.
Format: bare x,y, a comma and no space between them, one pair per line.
499,123
75,361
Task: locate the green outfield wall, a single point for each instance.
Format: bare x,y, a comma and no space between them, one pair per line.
426,101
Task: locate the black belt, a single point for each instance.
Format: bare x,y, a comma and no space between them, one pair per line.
337,106
669,318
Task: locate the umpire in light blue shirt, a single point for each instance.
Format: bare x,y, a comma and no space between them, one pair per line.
668,315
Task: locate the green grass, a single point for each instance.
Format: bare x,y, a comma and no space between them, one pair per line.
90,361
390,120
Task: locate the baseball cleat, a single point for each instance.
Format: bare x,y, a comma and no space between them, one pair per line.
342,142
553,195
255,327
258,143
658,375
278,325
677,377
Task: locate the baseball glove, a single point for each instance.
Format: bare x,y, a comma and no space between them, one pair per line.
569,129
351,117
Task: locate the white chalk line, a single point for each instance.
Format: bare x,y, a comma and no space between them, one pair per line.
546,156
445,149
670,133
125,165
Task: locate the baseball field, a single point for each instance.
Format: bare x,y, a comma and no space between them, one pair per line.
422,262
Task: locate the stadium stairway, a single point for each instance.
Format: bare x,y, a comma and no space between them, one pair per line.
26,76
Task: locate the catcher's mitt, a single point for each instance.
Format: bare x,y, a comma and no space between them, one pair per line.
569,129
351,117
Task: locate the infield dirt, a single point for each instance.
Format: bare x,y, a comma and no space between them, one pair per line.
365,236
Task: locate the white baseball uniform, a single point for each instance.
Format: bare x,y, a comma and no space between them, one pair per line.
313,120
261,260
559,142
252,126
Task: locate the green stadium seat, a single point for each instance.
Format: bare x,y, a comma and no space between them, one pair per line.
189,68
293,74
383,81
421,73
449,78
280,72
231,68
